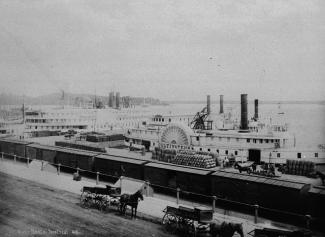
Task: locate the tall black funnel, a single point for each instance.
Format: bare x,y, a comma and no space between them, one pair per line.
208,105
118,100
221,104
256,109
243,120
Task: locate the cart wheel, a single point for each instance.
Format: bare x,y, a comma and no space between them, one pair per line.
104,205
98,202
192,229
85,199
170,223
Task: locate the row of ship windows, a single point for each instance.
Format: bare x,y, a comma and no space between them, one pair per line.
54,120
80,127
278,154
169,120
54,127
65,120
248,140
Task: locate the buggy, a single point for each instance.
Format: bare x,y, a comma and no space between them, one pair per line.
246,166
186,220
100,197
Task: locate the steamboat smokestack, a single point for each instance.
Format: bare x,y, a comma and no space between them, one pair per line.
256,109
110,99
244,120
113,101
221,104
208,105
118,100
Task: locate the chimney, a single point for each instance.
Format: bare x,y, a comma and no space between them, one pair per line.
244,120
118,100
208,105
113,101
221,104
110,99
256,109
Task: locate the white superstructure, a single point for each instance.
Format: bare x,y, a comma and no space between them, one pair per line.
82,119
259,140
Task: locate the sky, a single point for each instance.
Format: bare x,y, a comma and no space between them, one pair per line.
171,50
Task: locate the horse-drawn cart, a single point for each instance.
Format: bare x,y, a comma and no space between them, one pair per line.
246,166
186,220
100,197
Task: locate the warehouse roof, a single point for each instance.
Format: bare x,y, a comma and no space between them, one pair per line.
259,179
318,190
46,147
120,159
128,154
15,141
179,168
77,151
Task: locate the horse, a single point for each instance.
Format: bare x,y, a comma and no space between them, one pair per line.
225,229
130,200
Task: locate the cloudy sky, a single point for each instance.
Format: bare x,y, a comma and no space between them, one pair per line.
180,49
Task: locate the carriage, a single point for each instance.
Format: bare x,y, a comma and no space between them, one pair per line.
100,197
186,220
246,166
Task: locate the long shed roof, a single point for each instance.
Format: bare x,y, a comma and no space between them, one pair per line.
178,168
258,179
46,147
77,151
15,141
121,159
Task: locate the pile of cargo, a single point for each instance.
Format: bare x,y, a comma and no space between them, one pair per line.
45,133
299,167
185,157
83,145
165,155
104,138
202,161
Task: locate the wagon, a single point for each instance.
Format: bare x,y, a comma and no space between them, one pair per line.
186,220
100,197
246,166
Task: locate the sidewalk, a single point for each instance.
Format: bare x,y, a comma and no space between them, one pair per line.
150,209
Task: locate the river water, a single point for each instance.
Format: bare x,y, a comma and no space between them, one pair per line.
306,121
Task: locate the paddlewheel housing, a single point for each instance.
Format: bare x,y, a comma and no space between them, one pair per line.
177,134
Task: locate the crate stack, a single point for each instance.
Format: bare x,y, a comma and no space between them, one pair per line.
104,138
185,157
298,167
196,160
165,155
82,145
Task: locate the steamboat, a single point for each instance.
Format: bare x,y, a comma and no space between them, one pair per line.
88,116
244,139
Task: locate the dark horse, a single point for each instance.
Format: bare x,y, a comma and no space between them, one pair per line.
226,229
130,200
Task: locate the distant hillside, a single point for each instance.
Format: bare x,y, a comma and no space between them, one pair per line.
60,98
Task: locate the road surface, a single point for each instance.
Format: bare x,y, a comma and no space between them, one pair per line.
31,209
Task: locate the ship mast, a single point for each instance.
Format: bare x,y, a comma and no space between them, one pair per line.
23,110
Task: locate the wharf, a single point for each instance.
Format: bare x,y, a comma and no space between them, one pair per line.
150,209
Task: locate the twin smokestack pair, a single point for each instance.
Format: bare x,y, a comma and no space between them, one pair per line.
244,114
114,101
